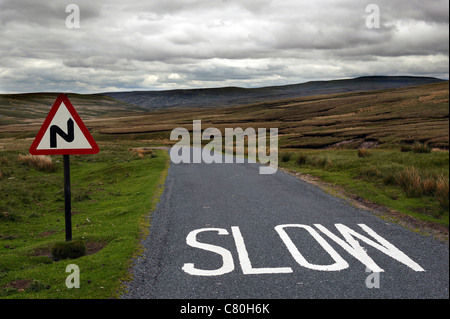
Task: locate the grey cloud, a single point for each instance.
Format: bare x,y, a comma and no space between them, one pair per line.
44,13
191,43
430,11
30,12
101,62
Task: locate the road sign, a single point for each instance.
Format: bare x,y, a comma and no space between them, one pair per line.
63,132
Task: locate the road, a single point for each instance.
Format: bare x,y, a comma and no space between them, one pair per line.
225,231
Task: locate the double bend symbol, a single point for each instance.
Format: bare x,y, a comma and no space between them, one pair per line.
68,137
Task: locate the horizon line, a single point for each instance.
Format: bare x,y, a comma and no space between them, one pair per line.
237,87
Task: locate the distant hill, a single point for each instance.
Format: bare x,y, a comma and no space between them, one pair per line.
381,118
32,107
372,118
233,96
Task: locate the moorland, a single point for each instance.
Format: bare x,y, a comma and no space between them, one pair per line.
385,149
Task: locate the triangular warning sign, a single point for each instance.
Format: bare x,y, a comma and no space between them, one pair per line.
63,132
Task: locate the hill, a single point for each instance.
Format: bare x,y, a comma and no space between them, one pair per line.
348,120
233,96
29,107
374,118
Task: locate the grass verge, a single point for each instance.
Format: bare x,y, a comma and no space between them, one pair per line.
415,184
112,192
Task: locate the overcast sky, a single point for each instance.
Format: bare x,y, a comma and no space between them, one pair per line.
124,45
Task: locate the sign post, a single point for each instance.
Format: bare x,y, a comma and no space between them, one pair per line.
64,133
67,198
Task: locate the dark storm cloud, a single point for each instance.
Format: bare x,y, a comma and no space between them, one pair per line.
199,43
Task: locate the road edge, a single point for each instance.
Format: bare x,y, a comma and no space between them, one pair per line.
437,231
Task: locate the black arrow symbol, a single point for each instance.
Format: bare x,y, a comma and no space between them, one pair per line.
69,137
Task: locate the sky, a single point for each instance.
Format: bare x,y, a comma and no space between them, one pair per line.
181,44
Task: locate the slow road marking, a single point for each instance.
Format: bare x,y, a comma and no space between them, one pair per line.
350,242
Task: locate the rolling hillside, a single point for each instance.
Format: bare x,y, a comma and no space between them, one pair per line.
381,118
32,107
233,96
374,118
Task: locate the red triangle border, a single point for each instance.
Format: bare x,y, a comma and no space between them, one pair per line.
62,98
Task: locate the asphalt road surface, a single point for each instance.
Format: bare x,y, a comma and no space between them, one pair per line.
225,231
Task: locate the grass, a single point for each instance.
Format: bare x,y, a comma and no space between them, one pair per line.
442,191
302,159
285,156
112,193
415,184
406,148
418,147
40,162
364,152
